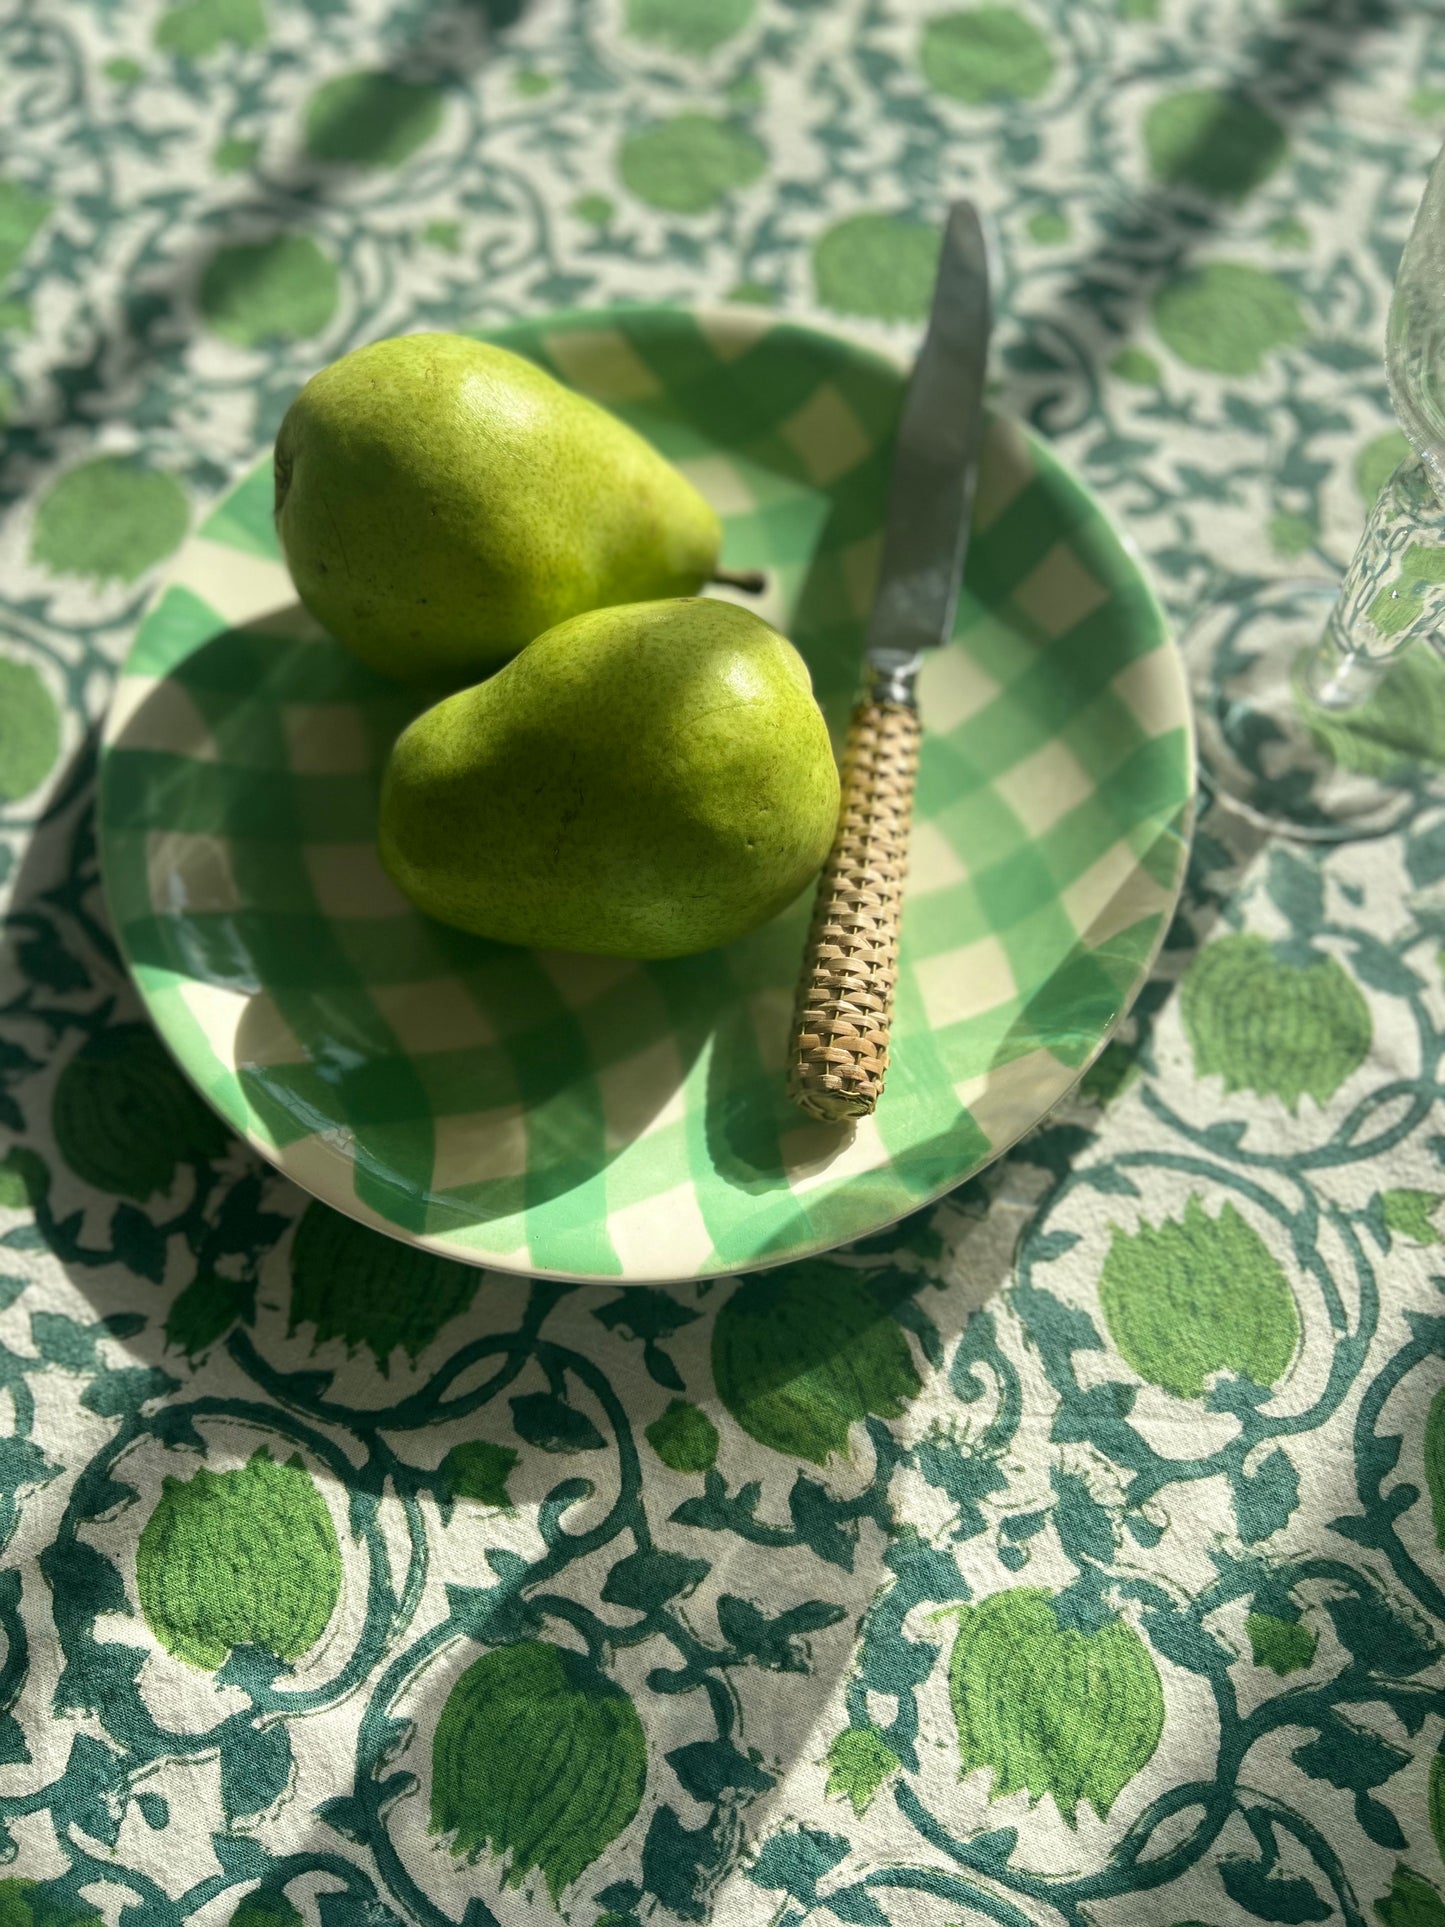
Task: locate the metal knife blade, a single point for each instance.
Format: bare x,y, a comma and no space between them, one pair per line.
935,467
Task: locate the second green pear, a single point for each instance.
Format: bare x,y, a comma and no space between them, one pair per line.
645,781
442,501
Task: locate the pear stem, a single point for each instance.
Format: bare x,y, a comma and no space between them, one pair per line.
751,581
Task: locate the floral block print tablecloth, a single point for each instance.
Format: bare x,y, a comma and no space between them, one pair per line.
1070,1554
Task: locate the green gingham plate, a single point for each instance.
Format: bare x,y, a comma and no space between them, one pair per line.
588,1118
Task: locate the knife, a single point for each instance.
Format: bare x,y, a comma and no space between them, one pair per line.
844,1010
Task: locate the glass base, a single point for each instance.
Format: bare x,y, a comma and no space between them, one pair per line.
1304,742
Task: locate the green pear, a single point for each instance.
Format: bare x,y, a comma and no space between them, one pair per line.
644,781
441,502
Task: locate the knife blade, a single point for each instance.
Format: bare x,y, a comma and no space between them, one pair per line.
844,1011
935,464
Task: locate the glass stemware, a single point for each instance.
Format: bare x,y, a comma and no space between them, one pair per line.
1309,719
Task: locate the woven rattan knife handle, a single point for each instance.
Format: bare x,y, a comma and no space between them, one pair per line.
845,994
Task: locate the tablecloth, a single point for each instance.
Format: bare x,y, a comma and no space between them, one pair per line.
1070,1553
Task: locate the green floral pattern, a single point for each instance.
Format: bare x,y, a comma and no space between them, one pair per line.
1068,1556
239,1558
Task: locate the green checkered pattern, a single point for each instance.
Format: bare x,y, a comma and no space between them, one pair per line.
592,1118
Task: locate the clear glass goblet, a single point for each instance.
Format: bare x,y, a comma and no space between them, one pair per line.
1313,720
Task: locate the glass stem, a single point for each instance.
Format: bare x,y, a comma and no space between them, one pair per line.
1337,677
1393,592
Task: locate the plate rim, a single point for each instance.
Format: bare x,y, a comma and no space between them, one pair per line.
739,318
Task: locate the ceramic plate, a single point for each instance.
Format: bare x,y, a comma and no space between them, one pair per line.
588,1118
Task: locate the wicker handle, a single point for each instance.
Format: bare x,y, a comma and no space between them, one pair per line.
845,993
